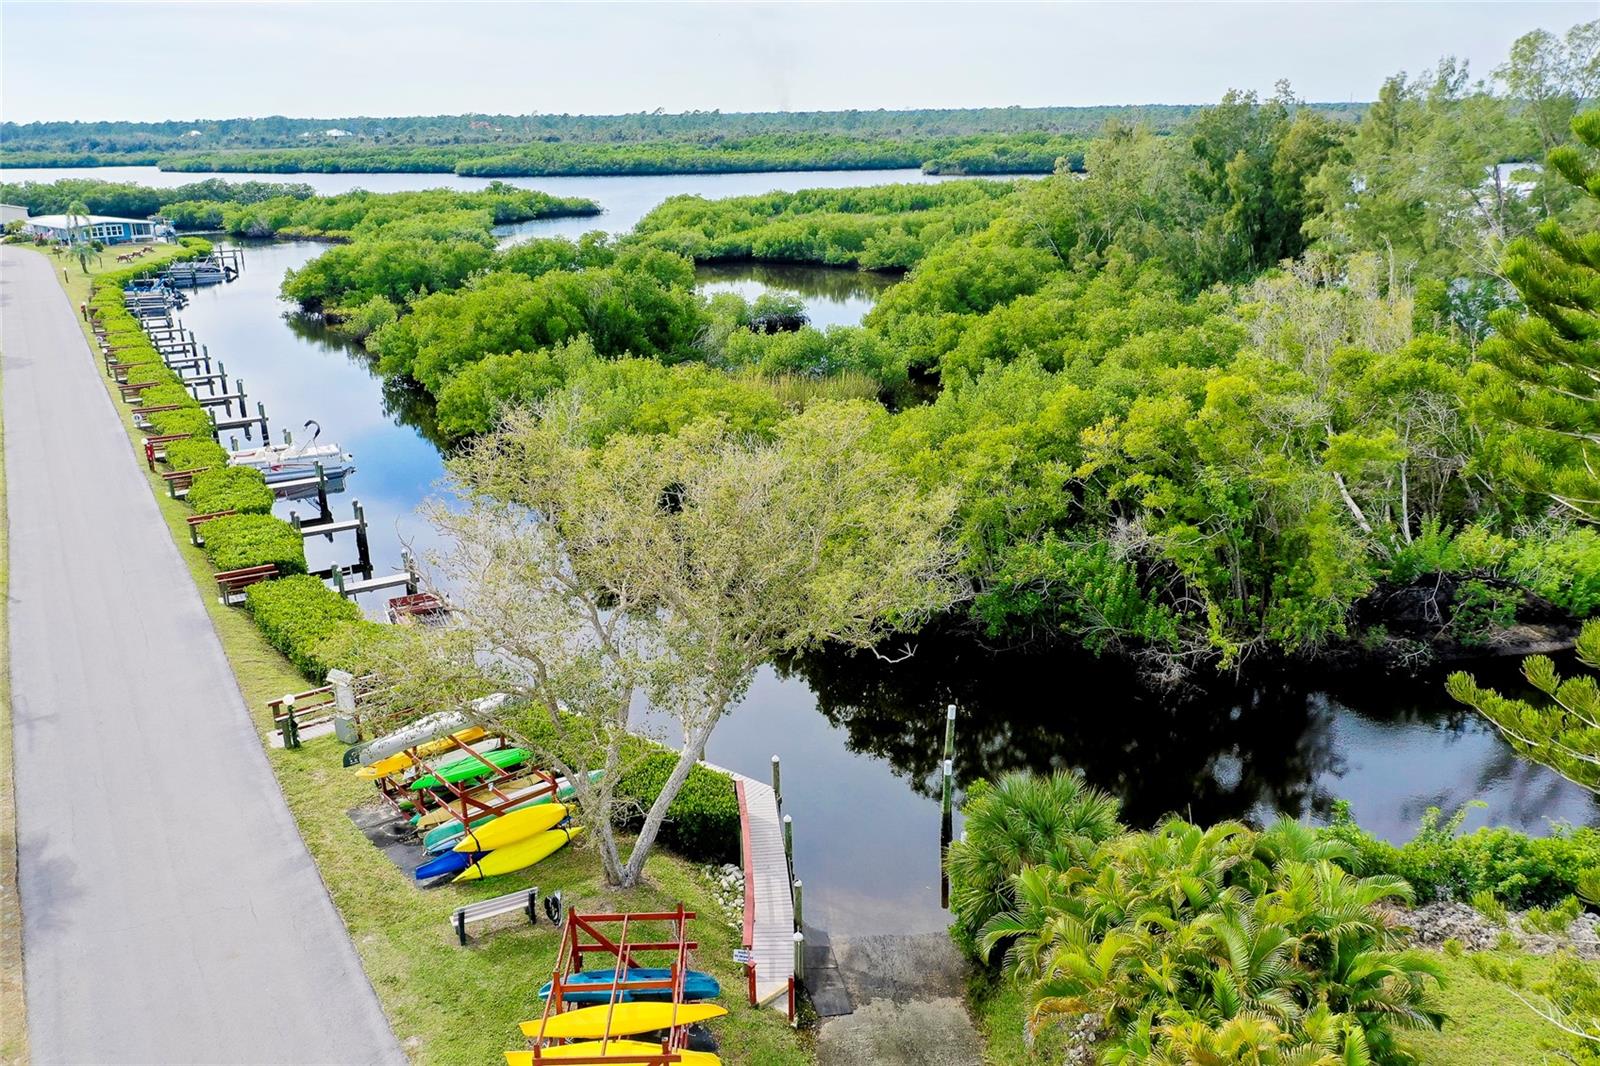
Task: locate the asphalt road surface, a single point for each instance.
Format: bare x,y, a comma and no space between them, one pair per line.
171,913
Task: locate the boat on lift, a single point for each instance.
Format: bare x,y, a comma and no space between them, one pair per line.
291,462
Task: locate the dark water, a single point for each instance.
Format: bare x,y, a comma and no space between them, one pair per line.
860,738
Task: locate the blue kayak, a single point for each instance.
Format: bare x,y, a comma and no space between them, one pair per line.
696,986
451,862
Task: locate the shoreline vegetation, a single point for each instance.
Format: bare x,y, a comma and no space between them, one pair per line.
941,141
1206,404
446,1004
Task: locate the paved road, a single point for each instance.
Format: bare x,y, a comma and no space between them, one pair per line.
171,913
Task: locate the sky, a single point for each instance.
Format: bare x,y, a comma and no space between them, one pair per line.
327,60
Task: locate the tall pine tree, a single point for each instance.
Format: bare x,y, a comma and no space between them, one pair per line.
1551,354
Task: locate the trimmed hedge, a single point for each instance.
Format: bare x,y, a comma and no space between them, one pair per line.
158,395
238,541
703,821
300,616
197,453
229,488
184,420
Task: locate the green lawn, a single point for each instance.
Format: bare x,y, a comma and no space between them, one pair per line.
13,1007
1487,1027
448,1004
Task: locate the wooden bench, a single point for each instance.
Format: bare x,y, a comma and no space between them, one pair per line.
141,414
131,389
152,452
195,521
179,481
525,900
232,583
302,712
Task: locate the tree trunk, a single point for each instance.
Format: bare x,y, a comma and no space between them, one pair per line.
694,746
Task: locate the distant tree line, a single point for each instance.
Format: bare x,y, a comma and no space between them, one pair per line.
707,127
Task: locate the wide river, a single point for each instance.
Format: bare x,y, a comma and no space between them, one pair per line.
860,737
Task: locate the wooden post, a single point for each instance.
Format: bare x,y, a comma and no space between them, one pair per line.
946,803
800,955
799,917
777,782
322,495
949,756
291,728
345,726
788,840
413,579
363,551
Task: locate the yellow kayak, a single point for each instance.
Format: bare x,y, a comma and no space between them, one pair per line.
512,828
626,1019
520,856
520,788
609,1049
395,764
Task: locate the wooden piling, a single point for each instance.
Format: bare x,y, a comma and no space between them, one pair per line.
777,782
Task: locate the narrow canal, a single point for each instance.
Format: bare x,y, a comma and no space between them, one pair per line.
860,738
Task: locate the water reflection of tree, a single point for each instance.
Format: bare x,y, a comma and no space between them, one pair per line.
407,404
830,283
1227,749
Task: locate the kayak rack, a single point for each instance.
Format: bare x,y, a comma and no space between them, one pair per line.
615,937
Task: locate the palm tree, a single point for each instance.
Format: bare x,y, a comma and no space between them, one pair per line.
1022,820
78,242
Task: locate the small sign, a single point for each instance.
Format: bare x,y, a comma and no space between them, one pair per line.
744,955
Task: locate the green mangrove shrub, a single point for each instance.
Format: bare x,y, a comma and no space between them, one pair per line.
1442,863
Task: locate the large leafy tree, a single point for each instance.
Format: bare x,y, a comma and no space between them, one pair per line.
665,569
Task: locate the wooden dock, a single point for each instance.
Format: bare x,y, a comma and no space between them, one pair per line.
769,933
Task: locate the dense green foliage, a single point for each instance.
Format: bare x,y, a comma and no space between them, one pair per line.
973,141
1439,863
1218,396
1217,945
879,227
710,127
230,488
138,201
238,541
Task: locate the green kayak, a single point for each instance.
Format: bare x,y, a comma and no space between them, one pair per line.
469,767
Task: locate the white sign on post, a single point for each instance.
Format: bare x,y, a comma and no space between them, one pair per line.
744,955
